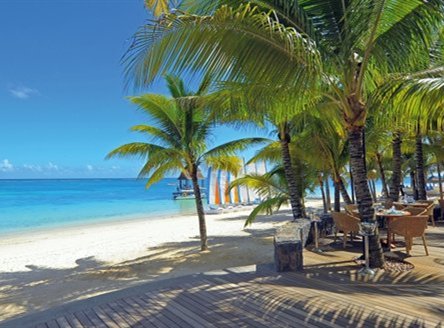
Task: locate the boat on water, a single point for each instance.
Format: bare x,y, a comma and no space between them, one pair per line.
184,189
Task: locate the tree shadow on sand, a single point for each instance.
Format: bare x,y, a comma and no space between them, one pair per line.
39,288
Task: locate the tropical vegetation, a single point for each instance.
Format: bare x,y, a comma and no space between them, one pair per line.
179,133
366,62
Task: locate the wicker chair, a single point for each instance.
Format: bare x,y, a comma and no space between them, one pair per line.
410,227
345,223
428,202
350,208
430,213
415,210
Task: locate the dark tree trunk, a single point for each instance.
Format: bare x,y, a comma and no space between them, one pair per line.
327,191
344,192
397,162
200,209
321,186
413,184
352,186
385,192
438,168
293,188
372,181
419,157
337,200
363,196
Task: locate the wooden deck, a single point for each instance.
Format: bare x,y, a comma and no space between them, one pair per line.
328,293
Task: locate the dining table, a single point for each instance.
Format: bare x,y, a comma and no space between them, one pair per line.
390,214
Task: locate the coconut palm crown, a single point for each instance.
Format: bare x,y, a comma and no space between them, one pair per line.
179,134
344,47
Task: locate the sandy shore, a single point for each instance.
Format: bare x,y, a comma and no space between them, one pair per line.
42,269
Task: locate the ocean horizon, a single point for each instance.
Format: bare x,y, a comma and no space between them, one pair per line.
30,204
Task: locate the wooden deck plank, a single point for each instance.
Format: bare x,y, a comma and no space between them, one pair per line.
41,325
255,301
401,306
109,322
207,310
73,321
136,317
170,318
123,314
179,311
114,315
83,319
145,313
365,307
94,318
52,324
251,309
63,323
163,317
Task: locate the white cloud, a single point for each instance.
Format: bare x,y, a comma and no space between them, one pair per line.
6,166
33,168
22,92
52,167
89,167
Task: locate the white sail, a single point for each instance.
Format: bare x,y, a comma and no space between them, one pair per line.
223,187
253,196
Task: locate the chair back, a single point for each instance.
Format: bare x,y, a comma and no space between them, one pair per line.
350,208
429,209
409,226
425,201
345,222
415,210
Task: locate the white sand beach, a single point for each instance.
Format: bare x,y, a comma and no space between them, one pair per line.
41,269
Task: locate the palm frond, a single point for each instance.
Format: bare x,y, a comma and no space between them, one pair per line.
232,147
222,45
229,163
266,206
135,149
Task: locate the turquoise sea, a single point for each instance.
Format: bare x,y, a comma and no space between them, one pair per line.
31,204
35,204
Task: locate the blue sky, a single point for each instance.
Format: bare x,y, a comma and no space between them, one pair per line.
62,98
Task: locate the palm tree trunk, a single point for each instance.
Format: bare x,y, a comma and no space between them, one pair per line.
344,192
413,183
293,188
352,186
385,191
363,196
397,162
327,191
419,156
438,168
200,209
321,186
375,198
337,201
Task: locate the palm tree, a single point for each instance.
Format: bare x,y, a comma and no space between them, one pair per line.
325,138
284,43
273,186
179,140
